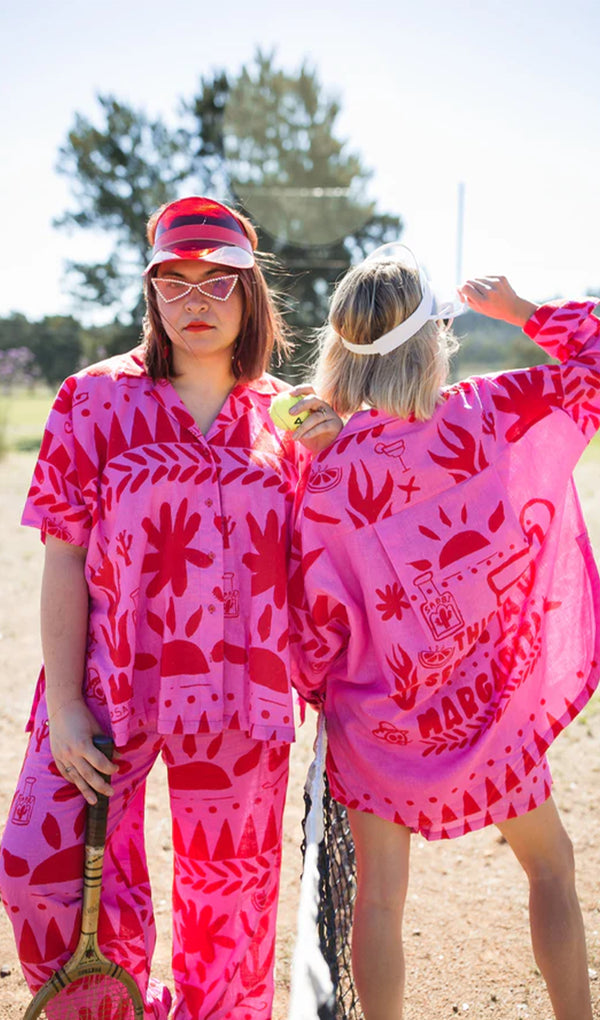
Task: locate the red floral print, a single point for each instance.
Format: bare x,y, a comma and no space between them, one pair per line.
171,540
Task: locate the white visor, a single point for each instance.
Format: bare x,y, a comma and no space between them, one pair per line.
429,309
227,255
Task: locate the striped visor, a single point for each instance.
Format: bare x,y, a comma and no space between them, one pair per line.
200,228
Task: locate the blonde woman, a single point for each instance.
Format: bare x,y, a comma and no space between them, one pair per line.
446,602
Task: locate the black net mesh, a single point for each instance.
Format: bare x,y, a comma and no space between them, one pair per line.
337,890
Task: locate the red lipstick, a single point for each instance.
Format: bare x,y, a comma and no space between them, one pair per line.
197,327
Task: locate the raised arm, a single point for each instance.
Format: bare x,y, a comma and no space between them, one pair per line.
567,331
493,296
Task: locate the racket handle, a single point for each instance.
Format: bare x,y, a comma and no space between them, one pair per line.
104,744
95,832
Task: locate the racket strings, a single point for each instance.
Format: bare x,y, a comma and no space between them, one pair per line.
337,892
92,997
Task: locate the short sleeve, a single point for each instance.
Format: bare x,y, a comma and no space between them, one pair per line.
56,502
319,629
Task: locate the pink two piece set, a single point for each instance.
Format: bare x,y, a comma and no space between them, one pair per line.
187,541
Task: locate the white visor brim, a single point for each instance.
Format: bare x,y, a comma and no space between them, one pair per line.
227,255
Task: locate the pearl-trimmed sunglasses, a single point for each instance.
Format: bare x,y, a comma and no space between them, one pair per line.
171,288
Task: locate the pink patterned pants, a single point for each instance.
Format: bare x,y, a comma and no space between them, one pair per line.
227,793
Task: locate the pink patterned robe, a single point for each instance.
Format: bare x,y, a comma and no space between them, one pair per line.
446,603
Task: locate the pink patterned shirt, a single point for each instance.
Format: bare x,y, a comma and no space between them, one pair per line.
187,548
445,598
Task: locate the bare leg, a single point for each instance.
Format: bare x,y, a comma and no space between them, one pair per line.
382,855
544,849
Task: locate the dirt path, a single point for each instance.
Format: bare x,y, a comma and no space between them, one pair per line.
468,951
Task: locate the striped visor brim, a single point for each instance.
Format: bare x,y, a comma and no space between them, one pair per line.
200,228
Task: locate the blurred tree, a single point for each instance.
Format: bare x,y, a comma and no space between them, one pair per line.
57,346
489,345
56,343
99,342
120,173
264,140
270,137
17,368
16,331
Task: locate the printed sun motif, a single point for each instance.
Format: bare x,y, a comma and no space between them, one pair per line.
462,543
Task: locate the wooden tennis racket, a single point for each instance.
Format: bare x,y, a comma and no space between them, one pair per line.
89,986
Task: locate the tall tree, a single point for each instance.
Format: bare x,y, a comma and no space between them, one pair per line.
264,140
120,173
284,165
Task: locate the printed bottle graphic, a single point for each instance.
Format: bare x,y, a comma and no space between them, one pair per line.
23,808
439,610
231,596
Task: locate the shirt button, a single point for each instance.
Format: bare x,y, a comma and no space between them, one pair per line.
208,502
211,557
211,608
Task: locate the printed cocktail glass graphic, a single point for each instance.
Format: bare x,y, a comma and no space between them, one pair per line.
503,577
231,596
439,609
535,519
23,808
396,449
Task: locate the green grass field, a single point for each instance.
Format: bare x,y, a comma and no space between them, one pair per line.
23,414
22,417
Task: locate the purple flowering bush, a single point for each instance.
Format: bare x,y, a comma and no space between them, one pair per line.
18,367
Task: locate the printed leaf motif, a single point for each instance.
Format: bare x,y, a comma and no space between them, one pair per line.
420,564
525,398
51,831
170,616
405,675
497,518
264,623
15,867
468,457
194,622
369,505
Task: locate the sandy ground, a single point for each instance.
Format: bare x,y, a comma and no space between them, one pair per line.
467,942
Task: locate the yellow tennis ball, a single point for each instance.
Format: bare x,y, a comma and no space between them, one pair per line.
280,412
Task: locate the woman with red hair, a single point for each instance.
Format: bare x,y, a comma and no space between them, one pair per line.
163,493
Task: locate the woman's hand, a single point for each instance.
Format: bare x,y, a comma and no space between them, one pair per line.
493,296
322,426
65,603
71,730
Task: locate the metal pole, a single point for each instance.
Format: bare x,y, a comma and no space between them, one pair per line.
459,232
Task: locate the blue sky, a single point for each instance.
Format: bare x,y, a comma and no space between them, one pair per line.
504,97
